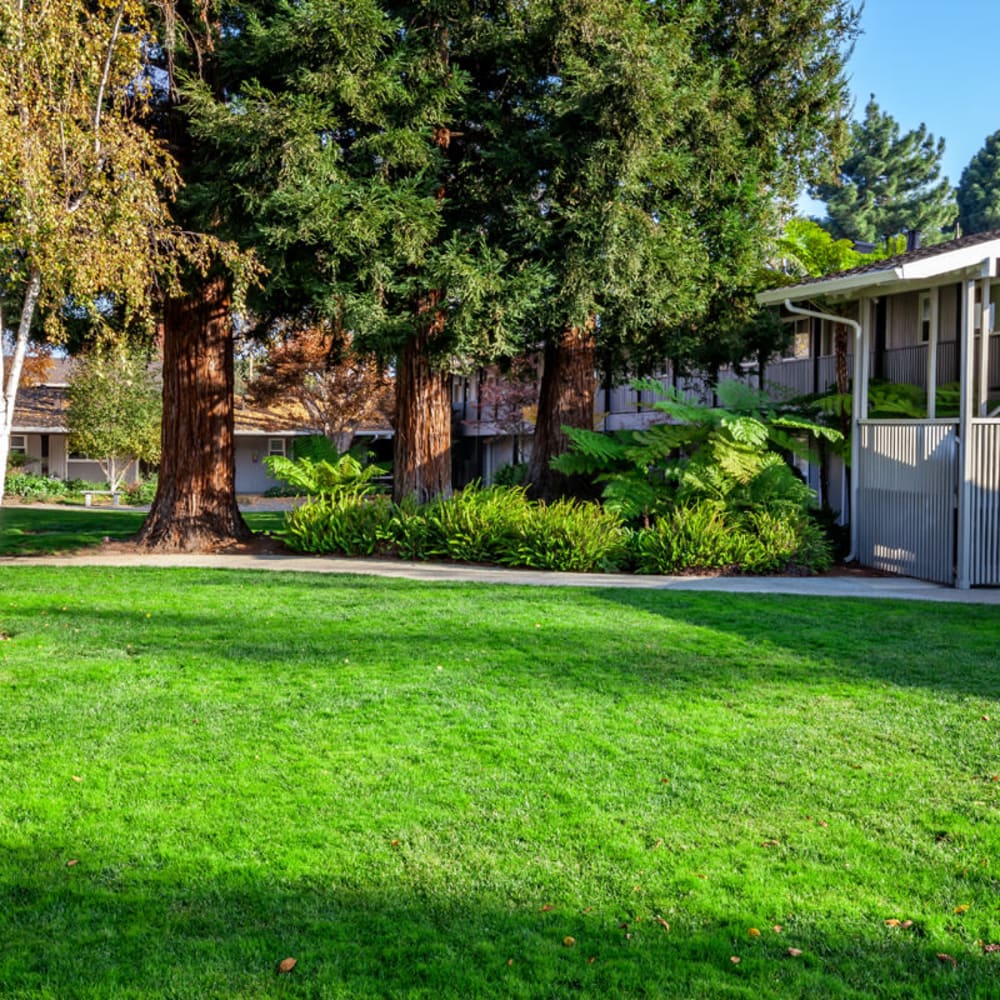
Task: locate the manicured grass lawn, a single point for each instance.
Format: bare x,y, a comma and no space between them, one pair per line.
426,791
32,530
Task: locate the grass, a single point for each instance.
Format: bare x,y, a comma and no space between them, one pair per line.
31,530
424,790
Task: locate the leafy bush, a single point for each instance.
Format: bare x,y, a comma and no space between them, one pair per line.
29,487
497,525
570,536
323,478
344,524
730,454
510,475
143,492
704,536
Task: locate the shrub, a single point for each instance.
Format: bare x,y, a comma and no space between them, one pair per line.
321,477
569,536
705,536
342,523
31,488
510,475
143,492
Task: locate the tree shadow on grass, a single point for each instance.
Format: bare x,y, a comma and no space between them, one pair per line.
951,648
573,638
142,928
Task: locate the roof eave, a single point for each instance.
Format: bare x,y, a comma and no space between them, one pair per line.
976,261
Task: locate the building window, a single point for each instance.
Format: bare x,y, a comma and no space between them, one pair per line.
799,345
924,314
276,446
19,442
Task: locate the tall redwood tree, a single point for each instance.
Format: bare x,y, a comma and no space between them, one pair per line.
195,505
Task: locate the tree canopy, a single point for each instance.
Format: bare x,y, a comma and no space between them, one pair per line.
889,183
979,189
83,182
114,409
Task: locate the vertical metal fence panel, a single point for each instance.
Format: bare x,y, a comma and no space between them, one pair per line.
907,480
985,499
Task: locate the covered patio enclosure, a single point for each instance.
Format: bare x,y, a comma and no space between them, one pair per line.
924,493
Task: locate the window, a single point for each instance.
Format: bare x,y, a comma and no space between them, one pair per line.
924,316
276,446
19,442
798,346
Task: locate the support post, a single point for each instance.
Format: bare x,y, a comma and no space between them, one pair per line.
985,329
932,351
965,457
859,410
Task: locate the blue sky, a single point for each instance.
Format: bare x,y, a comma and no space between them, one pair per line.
932,61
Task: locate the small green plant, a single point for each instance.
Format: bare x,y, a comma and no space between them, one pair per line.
342,523
510,475
324,478
143,492
30,488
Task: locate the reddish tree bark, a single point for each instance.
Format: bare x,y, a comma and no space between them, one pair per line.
422,446
566,398
195,506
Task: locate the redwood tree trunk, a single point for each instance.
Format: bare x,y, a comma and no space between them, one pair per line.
566,398
195,506
422,446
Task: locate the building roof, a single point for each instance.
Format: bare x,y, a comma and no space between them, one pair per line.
42,409
923,265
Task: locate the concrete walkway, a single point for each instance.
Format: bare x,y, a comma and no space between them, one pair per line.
900,588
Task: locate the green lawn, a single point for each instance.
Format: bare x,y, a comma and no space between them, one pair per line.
425,790
29,530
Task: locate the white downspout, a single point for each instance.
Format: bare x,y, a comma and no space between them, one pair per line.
856,408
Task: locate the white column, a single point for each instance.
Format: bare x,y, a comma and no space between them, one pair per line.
985,329
966,408
859,409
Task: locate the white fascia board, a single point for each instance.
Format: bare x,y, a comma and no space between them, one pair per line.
980,259
831,286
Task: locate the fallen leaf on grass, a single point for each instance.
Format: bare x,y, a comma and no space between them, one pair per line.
662,923
287,964
942,957
547,907
510,961
76,777
893,922
990,948
777,928
753,932
657,845
71,862
735,959
793,952
590,961
961,908
568,941
906,924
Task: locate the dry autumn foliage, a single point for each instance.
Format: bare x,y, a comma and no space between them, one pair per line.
340,390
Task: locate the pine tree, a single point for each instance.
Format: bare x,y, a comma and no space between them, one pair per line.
889,183
721,110
979,189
